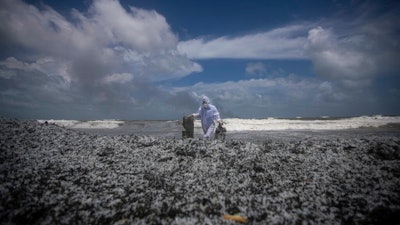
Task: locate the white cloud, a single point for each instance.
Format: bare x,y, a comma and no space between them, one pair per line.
327,92
358,51
256,68
46,65
140,29
281,43
89,58
335,58
118,78
105,37
288,96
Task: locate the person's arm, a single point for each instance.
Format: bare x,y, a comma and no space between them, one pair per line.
198,114
217,117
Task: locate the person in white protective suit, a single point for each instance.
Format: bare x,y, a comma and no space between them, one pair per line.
209,116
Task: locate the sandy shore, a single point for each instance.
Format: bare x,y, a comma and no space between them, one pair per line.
55,175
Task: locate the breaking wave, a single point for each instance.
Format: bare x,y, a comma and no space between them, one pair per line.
237,124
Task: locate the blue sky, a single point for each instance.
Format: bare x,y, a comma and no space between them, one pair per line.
147,59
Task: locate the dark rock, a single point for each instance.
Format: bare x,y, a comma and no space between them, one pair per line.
105,152
383,215
385,151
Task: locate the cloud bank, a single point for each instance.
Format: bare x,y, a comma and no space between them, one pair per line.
99,57
280,43
353,53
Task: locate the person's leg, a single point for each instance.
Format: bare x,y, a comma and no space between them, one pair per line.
210,132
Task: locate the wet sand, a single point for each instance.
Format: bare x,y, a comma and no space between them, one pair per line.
54,175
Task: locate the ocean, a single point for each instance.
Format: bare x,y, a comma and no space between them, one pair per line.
237,127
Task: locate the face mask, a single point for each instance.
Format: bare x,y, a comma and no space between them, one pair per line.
205,105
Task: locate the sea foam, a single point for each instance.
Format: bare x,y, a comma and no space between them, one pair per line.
308,124
236,124
91,124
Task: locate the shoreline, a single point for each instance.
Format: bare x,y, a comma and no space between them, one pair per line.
173,129
239,125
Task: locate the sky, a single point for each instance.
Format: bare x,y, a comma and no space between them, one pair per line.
154,59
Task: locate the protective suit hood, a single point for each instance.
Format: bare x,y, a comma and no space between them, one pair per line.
205,102
205,99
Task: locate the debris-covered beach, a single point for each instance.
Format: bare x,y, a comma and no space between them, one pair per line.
57,175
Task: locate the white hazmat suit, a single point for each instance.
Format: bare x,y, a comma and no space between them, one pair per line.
209,115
